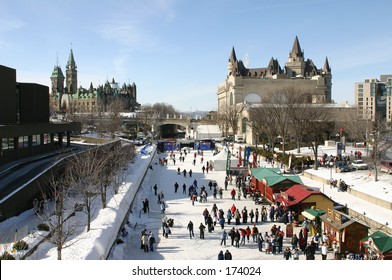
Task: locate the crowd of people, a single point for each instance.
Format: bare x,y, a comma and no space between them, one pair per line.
237,226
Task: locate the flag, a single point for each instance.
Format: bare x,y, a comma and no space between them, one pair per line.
254,160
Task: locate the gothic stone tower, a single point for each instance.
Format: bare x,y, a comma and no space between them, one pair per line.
57,79
71,74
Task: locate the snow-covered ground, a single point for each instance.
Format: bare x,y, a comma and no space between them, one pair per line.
93,245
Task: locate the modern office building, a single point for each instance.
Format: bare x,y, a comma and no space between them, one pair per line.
373,97
25,129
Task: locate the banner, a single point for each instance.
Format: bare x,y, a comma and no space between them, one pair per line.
240,157
254,160
228,162
247,154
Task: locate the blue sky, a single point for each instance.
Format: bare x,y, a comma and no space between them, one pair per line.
176,51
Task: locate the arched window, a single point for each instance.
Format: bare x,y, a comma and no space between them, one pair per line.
244,125
252,98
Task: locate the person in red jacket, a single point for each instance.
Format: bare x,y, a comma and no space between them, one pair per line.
232,194
248,232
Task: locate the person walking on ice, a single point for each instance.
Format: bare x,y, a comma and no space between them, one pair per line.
190,228
223,237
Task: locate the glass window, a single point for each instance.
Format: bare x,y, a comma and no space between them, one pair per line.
23,142
244,124
36,140
4,144
46,138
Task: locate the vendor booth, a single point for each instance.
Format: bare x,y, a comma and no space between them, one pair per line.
299,198
313,215
268,181
378,246
344,231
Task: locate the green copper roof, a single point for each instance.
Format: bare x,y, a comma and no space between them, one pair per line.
71,60
273,176
57,73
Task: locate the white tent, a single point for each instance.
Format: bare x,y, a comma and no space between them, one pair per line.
207,132
218,162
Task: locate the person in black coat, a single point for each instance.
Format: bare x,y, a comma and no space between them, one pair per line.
202,229
210,223
309,251
221,256
228,255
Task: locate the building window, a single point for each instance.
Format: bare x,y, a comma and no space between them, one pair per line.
23,142
47,138
244,125
7,144
36,140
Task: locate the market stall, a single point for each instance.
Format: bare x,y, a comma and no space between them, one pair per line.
344,231
378,246
313,215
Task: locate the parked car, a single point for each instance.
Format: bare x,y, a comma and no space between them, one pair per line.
386,166
359,164
342,166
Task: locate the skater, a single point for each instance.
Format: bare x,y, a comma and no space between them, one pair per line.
151,241
229,216
228,255
163,207
145,242
155,189
287,253
223,237
232,194
190,228
260,241
221,256
324,251
202,228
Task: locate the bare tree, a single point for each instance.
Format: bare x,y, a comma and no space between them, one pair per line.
164,109
263,123
280,105
317,128
378,127
229,117
61,227
116,106
83,176
302,113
